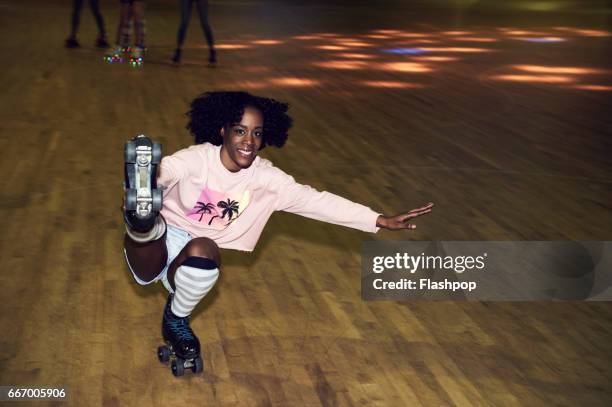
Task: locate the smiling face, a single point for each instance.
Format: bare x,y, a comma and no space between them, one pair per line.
241,141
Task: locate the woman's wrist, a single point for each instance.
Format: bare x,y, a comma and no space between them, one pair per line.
381,222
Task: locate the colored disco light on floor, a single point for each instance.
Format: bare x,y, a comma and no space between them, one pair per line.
412,67
308,37
249,84
348,65
543,40
377,36
267,42
534,78
405,51
351,43
566,70
331,47
355,56
457,49
474,39
232,46
390,32
456,33
405,34
435,59
598,88
586,33
294,82
392,84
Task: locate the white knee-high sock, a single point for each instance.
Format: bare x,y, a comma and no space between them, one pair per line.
193,280
157,231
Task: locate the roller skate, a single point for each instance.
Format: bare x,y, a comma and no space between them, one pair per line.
136,54
177,56
182,346
143,200
212,58
101,42
115,54
71,42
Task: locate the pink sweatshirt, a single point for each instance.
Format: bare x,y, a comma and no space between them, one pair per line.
205,199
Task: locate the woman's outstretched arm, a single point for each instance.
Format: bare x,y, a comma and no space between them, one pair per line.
401,221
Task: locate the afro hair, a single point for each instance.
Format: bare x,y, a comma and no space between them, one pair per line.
212,111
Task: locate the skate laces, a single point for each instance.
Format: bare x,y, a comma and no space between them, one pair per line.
180,327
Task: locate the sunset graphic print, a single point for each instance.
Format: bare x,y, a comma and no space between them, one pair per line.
217,209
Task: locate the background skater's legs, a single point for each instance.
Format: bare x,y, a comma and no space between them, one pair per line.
138,11
95,9
208,34
71,41
122,39
182,31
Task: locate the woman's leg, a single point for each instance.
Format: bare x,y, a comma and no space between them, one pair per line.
138,13
75,19
146,252
123,28
208,34
95,9
185,17
191,275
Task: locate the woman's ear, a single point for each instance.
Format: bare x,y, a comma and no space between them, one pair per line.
222,132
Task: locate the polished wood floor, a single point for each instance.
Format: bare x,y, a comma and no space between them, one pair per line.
503,121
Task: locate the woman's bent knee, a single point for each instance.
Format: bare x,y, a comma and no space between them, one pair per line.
202,247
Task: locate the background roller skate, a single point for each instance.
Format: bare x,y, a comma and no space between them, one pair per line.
182,346
143,200
116,54
136,57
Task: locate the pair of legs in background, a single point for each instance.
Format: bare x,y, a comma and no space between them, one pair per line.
131,11
202,6
77,5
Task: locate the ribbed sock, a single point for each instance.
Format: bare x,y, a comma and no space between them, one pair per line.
193,280
156,232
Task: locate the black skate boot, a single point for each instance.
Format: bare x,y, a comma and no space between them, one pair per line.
181,343
143,200
177,56
71,42
212,58
101,42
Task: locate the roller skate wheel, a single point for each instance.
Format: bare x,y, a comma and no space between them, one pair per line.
131,200
157,200
178,368
130,152
156,154
163,354
198,365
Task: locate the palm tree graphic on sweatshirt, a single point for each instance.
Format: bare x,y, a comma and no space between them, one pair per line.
212,205
203,208
229,207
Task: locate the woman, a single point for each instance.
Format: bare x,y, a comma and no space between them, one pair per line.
131,10
186,6
220,194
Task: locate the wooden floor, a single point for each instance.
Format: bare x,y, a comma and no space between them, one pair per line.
506,129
